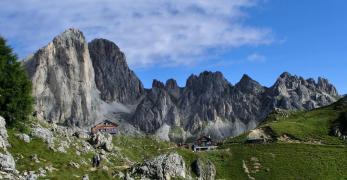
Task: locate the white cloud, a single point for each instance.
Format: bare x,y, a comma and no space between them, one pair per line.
151,32
255,57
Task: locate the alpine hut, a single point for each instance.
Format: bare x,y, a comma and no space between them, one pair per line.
105,126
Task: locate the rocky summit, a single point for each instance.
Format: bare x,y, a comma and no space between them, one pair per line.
80,83
113,77
63,80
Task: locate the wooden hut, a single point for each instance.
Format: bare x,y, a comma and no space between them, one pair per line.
203,143
105,126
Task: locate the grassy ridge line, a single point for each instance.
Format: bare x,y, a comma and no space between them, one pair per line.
308,127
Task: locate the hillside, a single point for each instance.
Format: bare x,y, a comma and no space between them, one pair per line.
304,146
301,145
318,126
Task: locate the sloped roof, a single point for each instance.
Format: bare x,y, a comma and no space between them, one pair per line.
106,121
204,138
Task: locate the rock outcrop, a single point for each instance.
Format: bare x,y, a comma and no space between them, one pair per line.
113,77
261,135
24,137
7,162
102,140
204,170
43,133
164,167
63,80
339,126
3,134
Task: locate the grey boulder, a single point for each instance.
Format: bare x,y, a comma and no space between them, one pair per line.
163,167
205,170
43,133
102,140
7,162
3,134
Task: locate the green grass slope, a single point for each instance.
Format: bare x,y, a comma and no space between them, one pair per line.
314,155
305,126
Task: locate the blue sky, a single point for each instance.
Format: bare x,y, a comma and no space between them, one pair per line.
173,39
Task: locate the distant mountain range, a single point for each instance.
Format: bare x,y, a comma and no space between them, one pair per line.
78,84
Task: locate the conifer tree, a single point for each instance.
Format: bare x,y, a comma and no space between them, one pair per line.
15,88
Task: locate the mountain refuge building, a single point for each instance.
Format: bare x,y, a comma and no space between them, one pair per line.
105,126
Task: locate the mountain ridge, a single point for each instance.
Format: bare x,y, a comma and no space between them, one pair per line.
207,104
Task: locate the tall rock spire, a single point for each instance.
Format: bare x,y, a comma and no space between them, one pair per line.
63,80
113,77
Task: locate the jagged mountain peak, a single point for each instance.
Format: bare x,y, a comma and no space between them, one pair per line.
207,82
324,85
158,84
63,80
109,51
108,45
70,34
171,84
173,89
247,80
286,81
248,85
113,77
246,77
207,76
285,75
294,92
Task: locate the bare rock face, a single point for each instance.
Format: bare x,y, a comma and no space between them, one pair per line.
45,134
7,162
173,89
24,137
264,134
63,80
164,167
204,170
293,92
204,96
210,105
102,140
155,109
3,134
113,77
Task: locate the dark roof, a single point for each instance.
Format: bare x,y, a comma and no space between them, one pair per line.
106,121
204,138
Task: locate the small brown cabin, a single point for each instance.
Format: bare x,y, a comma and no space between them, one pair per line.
203,143
105,126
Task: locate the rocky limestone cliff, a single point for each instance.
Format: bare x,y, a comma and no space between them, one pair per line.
293,92
113,77
210,105
63,80
155,109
